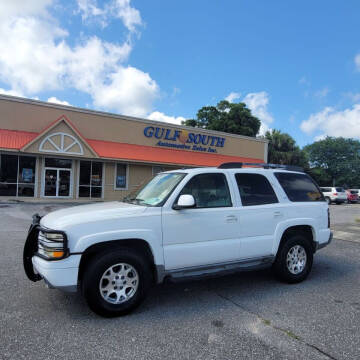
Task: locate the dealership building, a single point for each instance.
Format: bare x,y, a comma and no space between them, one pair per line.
50,151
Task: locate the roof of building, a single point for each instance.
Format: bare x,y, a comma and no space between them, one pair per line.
16,140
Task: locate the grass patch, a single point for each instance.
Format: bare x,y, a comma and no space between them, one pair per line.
287,332
291,334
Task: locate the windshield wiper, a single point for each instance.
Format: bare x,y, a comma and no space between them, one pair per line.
138,201
135,201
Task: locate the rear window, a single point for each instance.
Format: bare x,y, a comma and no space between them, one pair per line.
353,192
339,189
299,187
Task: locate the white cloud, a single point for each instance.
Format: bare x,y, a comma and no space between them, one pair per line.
10,92
36,56
331,122
13,8
233,96
257,103
357,61
88,8
129,15
322,92
320,137
114,9
159,116
55,100
128,90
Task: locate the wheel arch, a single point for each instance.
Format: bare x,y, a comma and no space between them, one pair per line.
138,245
306,230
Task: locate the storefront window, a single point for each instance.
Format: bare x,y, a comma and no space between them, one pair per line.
85,172
17,175
121,176
90,179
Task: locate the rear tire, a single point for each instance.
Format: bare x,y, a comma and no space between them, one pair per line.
131,275
328,200
294,259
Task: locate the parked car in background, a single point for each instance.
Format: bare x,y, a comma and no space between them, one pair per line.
334,194
357,192
352,196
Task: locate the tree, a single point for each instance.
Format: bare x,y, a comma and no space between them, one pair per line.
320,176
282,149
338,157
228,117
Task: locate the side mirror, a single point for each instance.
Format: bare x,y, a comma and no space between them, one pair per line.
184,202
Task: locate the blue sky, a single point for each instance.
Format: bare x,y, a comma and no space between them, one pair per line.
295,64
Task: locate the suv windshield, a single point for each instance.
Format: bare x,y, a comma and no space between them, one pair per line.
156,191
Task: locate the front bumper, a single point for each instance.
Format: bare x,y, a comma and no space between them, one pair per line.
322,245
61,274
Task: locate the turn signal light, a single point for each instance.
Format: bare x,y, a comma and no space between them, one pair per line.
57,254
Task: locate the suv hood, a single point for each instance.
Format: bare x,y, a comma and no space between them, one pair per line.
64,218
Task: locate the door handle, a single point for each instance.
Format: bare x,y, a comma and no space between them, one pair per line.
277,213
231,218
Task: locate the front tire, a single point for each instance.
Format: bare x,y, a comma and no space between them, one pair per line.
115,282
294,259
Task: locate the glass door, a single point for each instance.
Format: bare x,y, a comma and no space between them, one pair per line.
64,183
50,188
57,182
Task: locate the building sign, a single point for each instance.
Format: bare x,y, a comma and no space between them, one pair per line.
182,139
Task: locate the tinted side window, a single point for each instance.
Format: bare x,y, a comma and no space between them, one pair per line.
299,187
323,189
208,190
255,189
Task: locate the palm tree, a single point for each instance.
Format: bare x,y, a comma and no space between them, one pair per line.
283,149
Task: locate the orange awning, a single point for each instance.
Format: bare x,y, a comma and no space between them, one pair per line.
12,139
123,151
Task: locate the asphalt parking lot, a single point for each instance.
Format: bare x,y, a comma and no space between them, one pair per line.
243,316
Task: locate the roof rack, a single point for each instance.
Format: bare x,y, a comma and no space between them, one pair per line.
236,165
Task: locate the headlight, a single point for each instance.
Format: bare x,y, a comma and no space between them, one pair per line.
51,245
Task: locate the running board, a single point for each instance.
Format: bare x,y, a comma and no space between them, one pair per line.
220,269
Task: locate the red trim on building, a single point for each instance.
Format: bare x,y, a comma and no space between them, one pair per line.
108,149
11,139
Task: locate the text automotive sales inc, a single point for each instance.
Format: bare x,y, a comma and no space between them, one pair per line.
188,140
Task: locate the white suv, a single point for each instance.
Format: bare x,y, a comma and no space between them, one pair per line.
334,194
183,223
